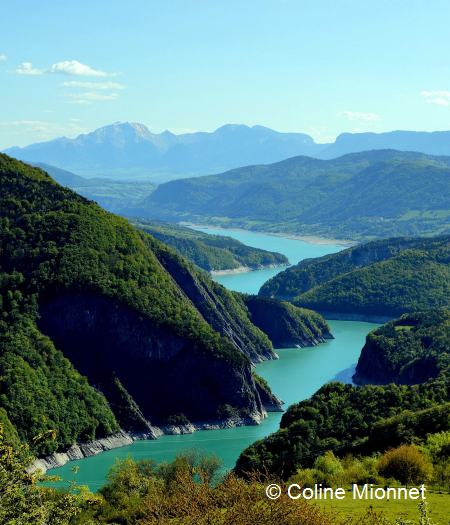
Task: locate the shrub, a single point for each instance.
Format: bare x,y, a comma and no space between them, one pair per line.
405,464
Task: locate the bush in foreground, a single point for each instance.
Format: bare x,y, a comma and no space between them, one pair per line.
406,464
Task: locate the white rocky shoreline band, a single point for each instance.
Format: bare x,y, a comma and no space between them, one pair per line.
123,438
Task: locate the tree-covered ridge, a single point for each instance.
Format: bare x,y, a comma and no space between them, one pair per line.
348,419
309,273
411,349
128,312
285,324
222,309
367,195
360,420
211,252
59,240
383,278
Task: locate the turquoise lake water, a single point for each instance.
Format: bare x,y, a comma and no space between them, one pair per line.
295,376
294,249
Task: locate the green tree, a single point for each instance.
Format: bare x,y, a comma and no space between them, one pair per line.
23,501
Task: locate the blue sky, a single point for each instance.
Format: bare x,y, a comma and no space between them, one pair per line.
319,66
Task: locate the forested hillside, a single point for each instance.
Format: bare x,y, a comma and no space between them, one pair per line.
381,278
286,325
409,350
158,338
373,194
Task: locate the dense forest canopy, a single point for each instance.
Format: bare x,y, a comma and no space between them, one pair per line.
346,419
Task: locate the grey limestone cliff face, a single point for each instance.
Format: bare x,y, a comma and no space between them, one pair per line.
270,401
220,308
165,374
122,438
84,450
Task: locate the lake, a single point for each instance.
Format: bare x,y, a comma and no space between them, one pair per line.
295,376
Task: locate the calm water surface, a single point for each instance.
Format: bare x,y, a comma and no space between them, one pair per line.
295,376
294,249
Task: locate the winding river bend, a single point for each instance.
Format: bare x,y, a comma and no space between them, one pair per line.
295,376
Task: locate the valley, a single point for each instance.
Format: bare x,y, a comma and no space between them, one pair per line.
296,375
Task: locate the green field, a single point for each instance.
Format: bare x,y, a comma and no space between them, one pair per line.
438,506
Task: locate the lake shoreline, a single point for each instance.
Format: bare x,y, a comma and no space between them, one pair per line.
122,438
311,239
247,269
357,317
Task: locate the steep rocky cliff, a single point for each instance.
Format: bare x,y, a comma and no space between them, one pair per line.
223,309
157,337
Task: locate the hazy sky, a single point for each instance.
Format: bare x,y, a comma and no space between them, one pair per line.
319,66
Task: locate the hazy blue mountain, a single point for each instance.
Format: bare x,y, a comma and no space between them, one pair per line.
432,143
113,195
63,177
130,150
373,194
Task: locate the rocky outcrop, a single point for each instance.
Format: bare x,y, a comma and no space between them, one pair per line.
270,401
84,450
375,367
287,325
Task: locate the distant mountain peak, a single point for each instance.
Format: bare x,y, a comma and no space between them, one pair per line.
232,128
121,131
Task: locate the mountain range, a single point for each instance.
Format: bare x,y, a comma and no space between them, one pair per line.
130,150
